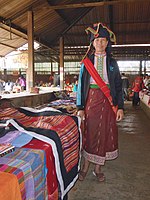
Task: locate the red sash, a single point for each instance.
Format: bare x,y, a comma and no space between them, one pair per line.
102,85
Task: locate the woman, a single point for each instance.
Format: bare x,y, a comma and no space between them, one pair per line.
99,101
137,86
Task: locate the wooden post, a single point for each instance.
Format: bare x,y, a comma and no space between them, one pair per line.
30,69
140,70
51,67
144,67
61,63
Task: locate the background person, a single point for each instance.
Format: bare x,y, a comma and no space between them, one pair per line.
146,81
9,86
75,86
51,79
137,86
22,82
99,101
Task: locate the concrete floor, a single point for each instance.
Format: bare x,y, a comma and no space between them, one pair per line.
127,177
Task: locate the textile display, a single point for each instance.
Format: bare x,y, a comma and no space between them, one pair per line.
64,105
52,183
59,130
16,138
33,166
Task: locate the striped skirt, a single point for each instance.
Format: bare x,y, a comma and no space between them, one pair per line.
100,137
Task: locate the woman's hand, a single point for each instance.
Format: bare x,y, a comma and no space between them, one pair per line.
119,115
81,113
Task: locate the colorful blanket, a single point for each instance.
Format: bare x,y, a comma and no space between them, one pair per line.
19,175
52,183
33,165
60,130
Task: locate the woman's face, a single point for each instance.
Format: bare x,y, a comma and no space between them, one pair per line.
100,45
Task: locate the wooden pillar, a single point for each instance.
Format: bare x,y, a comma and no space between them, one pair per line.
51,67
30,69
140,70
5,75
61,63
144,67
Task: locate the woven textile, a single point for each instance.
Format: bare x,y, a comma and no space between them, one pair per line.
92,71
32,162
100,120
52,183
53,127
19,175
100,62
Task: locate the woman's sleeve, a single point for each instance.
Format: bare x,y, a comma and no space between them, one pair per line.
79,90
118,86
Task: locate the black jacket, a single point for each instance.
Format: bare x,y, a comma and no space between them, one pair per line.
114,81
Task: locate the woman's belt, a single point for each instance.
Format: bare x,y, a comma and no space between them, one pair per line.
96,86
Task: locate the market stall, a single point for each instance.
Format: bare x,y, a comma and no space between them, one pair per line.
54,134
145,101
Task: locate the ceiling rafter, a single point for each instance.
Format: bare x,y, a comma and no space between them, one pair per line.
13,30
121,22
52,58
16,30
60,13
91,4
121,16
24,10
118,33
4,44
73,23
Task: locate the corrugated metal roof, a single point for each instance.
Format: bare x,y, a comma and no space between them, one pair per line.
130,20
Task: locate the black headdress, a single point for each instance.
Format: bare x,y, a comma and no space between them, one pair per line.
100,30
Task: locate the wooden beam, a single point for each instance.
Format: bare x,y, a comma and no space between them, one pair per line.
73,23
119,22
33,4
30,68
22,33
13,30
93,4
119,33
8,45
60,13
61,70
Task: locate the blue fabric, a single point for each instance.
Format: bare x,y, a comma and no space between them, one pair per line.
22,140
78,101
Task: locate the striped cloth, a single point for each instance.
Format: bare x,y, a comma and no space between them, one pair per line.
64,125
33,165
52,183
20,176
59,130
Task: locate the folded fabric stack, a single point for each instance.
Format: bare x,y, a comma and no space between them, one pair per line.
57,167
